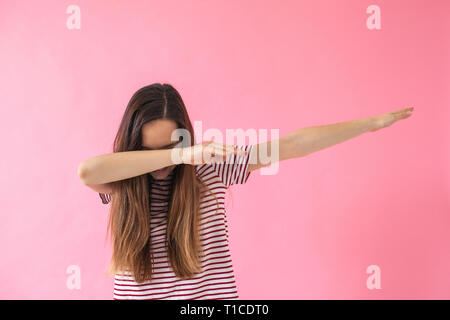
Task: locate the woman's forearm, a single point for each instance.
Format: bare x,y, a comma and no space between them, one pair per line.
123,165
311,139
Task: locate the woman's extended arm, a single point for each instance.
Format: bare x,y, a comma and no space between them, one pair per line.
311,139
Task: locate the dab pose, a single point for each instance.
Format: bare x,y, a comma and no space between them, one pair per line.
167,218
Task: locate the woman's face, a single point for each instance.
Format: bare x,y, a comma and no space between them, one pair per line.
156,135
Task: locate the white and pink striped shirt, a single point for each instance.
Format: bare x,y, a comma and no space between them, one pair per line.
217,279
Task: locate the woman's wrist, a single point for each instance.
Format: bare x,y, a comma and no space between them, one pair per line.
371,123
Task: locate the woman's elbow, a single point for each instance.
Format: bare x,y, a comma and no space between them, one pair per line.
83,173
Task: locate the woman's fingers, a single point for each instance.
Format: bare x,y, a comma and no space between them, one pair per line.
220,151
400,114
227,149
404,110
385,120
404,113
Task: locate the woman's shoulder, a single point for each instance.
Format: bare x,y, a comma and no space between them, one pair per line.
204,170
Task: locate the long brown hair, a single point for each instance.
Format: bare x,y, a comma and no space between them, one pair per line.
129,219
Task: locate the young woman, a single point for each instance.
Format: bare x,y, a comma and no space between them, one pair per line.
167,218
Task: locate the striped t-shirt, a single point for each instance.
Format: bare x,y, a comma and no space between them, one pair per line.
217,279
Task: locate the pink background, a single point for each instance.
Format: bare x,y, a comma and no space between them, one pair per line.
308,232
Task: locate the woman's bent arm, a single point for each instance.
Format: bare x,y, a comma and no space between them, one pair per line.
123,165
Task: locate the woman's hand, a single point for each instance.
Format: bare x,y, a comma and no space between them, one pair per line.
208,152
386,119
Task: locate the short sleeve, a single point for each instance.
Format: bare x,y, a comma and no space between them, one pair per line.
106,198
234,169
